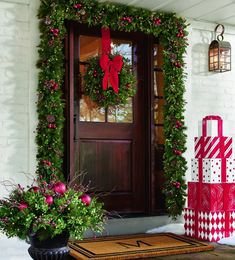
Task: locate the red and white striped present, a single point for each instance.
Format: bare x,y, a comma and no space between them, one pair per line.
213,146
209,225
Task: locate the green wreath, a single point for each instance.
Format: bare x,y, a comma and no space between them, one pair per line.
106,98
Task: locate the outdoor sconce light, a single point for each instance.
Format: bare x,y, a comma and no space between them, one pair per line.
219,55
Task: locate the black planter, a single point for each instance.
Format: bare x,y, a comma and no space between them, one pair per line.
50,249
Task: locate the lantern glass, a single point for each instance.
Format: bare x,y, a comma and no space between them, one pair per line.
219,56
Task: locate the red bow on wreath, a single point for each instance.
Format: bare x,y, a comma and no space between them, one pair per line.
111,68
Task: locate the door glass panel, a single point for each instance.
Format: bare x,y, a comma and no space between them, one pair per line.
89,112
158,83
122,114
158,111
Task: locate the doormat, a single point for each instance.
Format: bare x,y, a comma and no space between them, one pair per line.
135,246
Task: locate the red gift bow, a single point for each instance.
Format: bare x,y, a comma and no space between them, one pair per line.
111,69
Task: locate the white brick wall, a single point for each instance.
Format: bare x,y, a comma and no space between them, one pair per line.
207,93
18,82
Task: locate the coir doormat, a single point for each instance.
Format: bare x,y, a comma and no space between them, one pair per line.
135,246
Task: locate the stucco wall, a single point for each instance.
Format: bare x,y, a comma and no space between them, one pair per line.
18,81
206,92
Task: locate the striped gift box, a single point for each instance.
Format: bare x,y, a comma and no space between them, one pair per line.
213,147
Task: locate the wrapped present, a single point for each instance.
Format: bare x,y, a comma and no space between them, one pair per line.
209,225
213,170
211,197
213,146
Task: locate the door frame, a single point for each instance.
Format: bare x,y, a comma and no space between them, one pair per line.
71,80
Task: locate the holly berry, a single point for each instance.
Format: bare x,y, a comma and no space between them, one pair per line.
95,73
177,64
46,162
54,31
59,187
51,126
49,199
23,205
176,184
177,152
77,6
178,124
86,199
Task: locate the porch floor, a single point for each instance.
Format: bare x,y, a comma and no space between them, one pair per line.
220,252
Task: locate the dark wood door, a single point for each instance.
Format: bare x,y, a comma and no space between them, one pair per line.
111,145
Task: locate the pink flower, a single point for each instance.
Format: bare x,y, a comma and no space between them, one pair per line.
157,21
23,205
51,126
55,31
77,6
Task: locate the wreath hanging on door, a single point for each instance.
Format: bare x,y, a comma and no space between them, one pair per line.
109,79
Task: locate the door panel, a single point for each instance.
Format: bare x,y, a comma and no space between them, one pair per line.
110,144
98,157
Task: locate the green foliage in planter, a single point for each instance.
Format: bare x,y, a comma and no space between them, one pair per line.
48,210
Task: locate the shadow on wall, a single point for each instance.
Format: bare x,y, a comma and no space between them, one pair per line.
14,91
200,54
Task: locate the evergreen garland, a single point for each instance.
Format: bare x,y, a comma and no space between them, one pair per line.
170,29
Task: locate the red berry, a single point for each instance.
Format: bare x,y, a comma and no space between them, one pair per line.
86,199
59,187
34,189
49,199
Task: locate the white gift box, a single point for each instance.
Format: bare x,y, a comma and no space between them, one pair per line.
212,170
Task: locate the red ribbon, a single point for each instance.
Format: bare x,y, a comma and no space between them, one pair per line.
204,124
111,68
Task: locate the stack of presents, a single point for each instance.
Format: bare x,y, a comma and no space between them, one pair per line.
210,214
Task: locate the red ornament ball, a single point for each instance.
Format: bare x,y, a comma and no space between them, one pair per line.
59,187
23,205
86,199
49,199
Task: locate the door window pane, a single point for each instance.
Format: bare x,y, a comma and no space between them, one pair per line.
122,114
89,47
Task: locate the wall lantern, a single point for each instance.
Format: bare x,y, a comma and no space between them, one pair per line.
219,53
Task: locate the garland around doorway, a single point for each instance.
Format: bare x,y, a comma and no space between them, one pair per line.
171,31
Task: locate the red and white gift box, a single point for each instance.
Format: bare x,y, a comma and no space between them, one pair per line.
213,146
209,225
213,170
211,197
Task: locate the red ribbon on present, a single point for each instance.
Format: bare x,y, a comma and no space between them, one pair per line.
204,124
111,68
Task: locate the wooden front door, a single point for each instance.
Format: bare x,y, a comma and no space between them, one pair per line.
111,145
